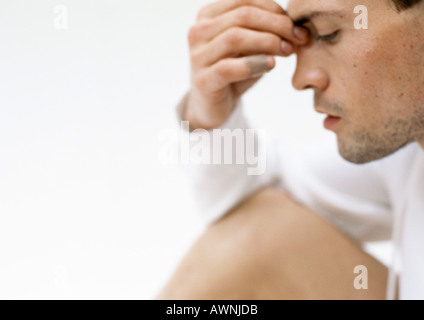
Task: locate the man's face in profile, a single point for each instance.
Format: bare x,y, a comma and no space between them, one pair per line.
372,79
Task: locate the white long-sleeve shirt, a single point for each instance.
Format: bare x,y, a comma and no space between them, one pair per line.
376,201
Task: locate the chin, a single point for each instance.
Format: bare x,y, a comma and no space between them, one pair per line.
358,153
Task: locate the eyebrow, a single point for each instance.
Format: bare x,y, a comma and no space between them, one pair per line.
316,14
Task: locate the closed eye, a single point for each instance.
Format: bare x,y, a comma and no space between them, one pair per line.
329,38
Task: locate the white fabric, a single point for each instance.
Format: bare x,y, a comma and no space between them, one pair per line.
361,200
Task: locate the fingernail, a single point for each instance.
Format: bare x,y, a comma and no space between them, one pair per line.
258,65
258,74
300,33
286,47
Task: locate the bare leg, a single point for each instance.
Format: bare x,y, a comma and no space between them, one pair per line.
273,248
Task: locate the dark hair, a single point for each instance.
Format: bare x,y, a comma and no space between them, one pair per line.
405,4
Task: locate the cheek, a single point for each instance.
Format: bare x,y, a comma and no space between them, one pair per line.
376,78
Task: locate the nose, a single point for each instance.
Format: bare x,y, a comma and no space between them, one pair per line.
309,73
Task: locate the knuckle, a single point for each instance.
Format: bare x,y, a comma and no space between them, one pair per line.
222,71
195,57
245,14
203,26
197,32
233,36
192,35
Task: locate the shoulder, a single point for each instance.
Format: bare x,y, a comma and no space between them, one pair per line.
398,169
400,163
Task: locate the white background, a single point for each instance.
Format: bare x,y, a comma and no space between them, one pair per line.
86,209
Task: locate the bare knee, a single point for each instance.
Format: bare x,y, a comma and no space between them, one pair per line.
270,247
224,262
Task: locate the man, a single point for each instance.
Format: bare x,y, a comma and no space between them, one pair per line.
264,241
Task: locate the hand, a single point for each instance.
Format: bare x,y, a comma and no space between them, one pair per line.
232,44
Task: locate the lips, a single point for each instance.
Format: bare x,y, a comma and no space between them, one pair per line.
325,112
331,121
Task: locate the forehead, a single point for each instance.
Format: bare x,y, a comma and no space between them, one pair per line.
300,8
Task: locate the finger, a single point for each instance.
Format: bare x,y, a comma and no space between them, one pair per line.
251,18
232,70
236,42
219,7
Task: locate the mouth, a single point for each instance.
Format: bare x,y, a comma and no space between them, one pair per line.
332,120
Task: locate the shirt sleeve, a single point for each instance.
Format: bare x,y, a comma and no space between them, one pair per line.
351,197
